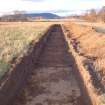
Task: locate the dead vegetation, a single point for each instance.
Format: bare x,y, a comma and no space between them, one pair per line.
91,45
15,39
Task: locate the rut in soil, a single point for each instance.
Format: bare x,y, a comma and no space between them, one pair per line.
53,81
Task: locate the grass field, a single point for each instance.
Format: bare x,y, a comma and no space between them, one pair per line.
15,39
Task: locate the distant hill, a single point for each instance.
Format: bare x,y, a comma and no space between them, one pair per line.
43,15
27,16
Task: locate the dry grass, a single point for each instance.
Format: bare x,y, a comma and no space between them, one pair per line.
91,44
98,26
15,38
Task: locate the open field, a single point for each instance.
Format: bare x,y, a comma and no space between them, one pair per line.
15,38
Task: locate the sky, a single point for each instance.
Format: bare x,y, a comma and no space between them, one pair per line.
59,7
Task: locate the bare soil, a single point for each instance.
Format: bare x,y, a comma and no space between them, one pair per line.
53,81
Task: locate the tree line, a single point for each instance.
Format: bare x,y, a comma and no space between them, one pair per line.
95,15
16,16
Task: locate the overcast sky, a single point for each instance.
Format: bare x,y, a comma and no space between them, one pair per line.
60,7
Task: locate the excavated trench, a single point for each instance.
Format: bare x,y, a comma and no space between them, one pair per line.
52,80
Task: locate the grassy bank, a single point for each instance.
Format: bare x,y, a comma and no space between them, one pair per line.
15,39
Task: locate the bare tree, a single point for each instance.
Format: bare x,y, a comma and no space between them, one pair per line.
90,15
101,14
19,16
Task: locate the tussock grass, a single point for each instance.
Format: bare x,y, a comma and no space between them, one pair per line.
15,39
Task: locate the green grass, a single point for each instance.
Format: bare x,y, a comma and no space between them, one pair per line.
4,66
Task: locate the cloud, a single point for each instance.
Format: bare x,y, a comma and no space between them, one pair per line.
54,6
35,0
